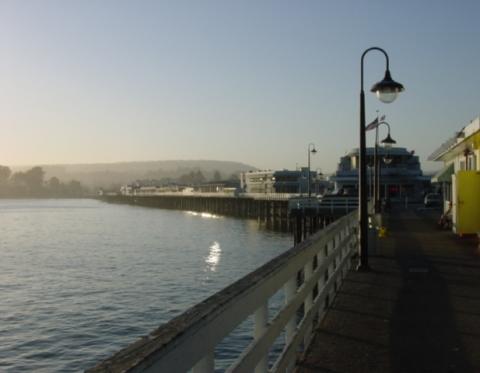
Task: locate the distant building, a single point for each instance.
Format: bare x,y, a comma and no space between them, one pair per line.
217,186
400,174
460,177
153,187
149,187
283,181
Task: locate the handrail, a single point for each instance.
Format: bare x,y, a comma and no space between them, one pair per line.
220,194
188,341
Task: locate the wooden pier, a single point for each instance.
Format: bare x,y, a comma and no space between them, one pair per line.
308,275
417,311
273,212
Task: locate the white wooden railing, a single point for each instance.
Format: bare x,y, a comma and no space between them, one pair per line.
188,341
269,196
219,194
332,205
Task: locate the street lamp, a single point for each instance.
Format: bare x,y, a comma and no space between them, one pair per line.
387,142
313,151
387,91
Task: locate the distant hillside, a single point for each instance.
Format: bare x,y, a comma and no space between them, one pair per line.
106,175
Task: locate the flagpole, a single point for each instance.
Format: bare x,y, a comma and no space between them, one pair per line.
376,182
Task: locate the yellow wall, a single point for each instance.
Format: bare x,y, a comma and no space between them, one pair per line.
467,209
476,141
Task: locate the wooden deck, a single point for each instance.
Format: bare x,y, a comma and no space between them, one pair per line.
417,311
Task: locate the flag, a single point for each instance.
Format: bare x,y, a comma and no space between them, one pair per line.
374,124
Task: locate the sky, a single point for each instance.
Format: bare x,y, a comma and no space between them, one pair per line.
250,81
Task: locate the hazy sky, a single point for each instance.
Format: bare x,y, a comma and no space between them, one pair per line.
249,81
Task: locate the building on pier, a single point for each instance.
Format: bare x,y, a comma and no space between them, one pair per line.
460,177
283,181
400,174
152,187
149,187
229,186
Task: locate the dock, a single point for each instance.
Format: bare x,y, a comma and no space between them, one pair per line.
276,211
417,311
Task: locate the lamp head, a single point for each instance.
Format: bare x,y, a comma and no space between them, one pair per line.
313,151
388,141
388,89
387,159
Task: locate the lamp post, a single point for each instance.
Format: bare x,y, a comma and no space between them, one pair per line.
387,142
387,91
313,151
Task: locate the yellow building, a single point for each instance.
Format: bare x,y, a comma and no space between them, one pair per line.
460,178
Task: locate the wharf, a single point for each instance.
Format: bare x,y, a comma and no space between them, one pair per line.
418,310
272,210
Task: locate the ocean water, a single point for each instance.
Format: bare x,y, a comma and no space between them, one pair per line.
80,279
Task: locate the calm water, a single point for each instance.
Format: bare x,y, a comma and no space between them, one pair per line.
80,279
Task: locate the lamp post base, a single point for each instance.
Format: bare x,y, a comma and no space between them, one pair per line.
363,268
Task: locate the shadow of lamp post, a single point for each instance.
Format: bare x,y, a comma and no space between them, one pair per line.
387,91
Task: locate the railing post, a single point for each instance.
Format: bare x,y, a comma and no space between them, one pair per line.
321,256
308,271
290,329
344,250
261,321
290,290
331,267
206,364
348,248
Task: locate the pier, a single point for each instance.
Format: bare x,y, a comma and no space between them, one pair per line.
417,310
277,211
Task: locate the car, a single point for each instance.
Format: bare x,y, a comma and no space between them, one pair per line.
432,199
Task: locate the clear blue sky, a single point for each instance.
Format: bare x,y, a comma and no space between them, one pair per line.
249,81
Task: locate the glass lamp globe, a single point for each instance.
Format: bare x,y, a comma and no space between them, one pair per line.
388,89
387,96
387,160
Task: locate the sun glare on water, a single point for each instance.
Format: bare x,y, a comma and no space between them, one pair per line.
213,256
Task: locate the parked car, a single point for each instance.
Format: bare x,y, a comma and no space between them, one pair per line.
432,199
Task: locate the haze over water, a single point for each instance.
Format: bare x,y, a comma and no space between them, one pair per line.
80,279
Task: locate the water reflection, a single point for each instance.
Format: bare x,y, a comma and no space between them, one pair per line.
62,268
203,214
213,256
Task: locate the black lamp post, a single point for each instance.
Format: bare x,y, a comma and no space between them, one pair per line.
313,151
387,142
387,91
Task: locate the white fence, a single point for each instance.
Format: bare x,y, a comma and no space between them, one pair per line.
333,205
188,341
219,194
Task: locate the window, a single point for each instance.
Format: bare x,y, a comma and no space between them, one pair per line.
471,162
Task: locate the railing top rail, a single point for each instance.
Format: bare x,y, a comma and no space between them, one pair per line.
223,195
148,350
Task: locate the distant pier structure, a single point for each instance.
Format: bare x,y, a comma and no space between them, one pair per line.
276,211
271,211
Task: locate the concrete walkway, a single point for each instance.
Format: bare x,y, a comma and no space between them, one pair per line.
417,311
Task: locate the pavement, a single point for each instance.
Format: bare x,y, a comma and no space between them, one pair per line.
418,310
